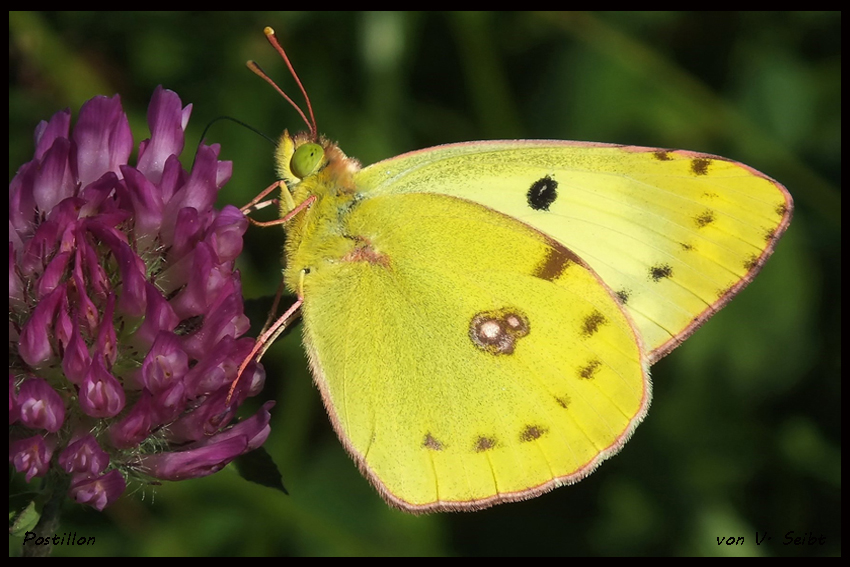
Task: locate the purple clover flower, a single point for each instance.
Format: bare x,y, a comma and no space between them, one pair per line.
125,310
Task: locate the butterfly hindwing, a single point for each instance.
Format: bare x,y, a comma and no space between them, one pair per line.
466,358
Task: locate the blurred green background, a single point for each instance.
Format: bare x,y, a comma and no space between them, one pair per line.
743,436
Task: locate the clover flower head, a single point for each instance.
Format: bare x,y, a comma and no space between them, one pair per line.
125,309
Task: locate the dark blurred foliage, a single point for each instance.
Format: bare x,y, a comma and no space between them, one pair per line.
743,437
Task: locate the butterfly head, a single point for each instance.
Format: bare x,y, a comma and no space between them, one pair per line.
302,158
307,159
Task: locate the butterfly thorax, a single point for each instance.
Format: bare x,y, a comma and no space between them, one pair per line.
317,234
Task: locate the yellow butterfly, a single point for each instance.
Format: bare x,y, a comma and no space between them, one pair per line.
480,318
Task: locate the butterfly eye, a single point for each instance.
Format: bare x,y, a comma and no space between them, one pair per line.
306,159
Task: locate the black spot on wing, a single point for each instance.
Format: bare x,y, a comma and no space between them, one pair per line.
591,323
590,369
430,442
705,218
555,263
723,293
660,272
542,193
623,296
662,155
531,432
484,444
769,235
699,166
563,401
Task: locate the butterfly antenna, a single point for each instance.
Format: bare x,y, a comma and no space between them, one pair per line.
311,124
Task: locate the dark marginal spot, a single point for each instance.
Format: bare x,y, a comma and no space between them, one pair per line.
769,235
589,370
592,323
660,272
431,443
623,296
542,193
752,262
705,218
497,332
531,432
563,401
782,209
699,166
484,444
557,260
662,155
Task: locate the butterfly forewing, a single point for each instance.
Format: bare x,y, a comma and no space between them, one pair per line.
673,233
